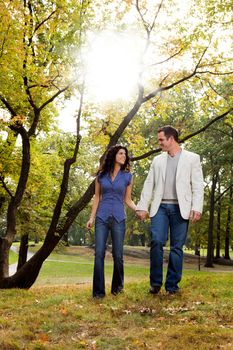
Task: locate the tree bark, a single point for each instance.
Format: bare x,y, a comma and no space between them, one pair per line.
23,251
210,247
6,241
218,230
197,249
5,245
28,273
227,232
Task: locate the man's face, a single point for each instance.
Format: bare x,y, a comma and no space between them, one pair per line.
164,143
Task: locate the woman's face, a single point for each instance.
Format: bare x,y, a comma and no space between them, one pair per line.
120,157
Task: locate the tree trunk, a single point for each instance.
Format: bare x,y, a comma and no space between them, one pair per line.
6,241
210,247
4,257
23,251
218,231
227,232
197,249
28,273
197,241
143,239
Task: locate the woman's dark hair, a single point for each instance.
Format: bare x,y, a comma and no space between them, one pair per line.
109,160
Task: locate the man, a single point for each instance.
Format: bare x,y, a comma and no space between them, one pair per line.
174,191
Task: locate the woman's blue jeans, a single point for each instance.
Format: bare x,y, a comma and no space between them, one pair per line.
167,218
117,230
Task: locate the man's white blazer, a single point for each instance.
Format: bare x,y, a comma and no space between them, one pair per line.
189,184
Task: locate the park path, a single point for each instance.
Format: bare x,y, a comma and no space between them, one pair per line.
13,267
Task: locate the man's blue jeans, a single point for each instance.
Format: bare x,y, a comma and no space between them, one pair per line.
167,217
117,230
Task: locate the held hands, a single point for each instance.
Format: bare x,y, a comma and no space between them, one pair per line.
194,216
90,223
141,214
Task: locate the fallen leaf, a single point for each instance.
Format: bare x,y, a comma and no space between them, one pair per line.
43,337
127,312
146,310
64,311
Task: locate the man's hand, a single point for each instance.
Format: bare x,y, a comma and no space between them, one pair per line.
194,216
141,214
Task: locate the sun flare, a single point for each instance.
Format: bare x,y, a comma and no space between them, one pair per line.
113,67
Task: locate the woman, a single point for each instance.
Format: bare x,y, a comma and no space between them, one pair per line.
112,188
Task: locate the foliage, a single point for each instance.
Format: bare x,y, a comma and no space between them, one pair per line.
184,79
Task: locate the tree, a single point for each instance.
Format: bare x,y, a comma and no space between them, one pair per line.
41,69
39,73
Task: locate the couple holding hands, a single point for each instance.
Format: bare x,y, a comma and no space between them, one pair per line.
173,190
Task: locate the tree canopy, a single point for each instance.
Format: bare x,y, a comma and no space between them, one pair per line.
184,79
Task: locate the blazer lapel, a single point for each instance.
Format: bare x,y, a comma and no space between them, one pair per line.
181,163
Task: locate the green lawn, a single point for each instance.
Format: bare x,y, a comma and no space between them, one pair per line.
58,312
74,265
66,317
13,257
60,269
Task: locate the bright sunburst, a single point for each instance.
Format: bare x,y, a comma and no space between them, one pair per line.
113,66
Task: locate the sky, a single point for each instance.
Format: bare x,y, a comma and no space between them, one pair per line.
113,59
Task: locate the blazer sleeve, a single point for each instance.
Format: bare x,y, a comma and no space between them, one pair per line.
147,191
197,184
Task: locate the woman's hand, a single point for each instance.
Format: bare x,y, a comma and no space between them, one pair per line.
94,205
90,223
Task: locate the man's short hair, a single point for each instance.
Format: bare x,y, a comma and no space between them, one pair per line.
169,131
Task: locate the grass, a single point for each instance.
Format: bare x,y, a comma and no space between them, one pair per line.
66,317
13,257
78,268
59,313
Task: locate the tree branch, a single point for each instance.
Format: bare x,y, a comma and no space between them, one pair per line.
128,117
4,41
207,125
27,90
54,227
86,197
5,186
25,163
8,106
167,59
53,97
222,194
156,15
148,27
147,154
215,73
43,22
168,87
